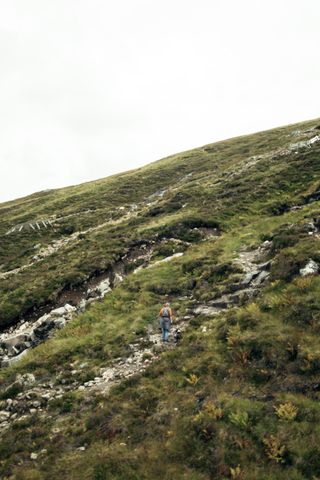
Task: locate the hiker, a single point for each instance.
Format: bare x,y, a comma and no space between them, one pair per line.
165,319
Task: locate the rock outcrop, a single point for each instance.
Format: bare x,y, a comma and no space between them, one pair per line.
16,341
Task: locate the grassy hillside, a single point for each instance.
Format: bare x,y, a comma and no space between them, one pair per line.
238,397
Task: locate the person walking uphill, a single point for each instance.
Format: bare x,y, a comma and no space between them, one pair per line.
165,319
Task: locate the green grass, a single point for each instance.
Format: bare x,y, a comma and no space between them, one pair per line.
207,409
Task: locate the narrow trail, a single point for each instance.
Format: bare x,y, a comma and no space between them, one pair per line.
132,211
35,397
135,209
74,238
16,340
296,148
140,358
256,272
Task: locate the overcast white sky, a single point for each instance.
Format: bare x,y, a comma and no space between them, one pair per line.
93,87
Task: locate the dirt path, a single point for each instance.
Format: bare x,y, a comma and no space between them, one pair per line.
57,245
36,397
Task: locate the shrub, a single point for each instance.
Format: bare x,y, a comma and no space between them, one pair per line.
285,239
240,419
192,379
274,449
12,391
286,411
219,272
284,267
105,425
74,278
65,404
310,362
191,265
278,208
299,312
236,473
198,222
234,336
213,411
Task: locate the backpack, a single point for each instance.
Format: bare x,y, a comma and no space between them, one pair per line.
165,312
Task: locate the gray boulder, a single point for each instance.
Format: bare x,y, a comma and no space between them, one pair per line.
62,311
311,268
25,380
4,415
101,290
16,340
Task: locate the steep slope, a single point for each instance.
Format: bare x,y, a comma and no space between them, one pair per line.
225,232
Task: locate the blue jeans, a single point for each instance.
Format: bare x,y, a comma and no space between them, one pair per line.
165,328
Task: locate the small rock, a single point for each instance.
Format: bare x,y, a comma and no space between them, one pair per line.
117,279
261,278
5,362
16,340
266,244
311,268
104,287
15,359
206,310
34,456
61,311
4,426
82,305
12,351
60,323
29,379
249,277
4,415
46,396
